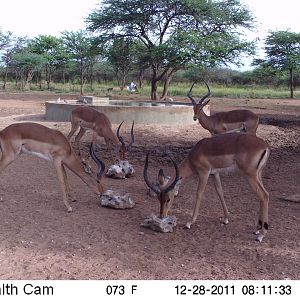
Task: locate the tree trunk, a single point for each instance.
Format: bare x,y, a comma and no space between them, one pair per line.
291,83
140,79
154,93
5,79
167,81
48,76
81,77
154,81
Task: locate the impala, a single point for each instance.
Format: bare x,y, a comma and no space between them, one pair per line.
52,145
89,118
213,155
232,121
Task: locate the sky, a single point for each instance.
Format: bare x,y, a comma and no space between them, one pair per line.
35,17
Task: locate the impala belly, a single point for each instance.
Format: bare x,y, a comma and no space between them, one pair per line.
86,125
37,149
224,163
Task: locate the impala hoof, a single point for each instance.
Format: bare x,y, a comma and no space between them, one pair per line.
188,225
226,221
259,238
70,209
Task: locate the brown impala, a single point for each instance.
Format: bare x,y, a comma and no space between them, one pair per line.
213,155
88,118
52,145
223,122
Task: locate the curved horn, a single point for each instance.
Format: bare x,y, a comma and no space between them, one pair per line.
149,184
132,135
177,177
100,163
207,95
118,134
190,94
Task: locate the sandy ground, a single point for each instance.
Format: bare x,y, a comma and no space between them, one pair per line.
40,240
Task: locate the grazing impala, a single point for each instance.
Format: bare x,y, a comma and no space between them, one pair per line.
50,144
232,121
213,155
89,118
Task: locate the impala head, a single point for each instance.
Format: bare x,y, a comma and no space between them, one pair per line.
122,149
165,194
202,102
100,164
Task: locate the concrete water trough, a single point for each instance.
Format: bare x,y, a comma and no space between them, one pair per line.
145,112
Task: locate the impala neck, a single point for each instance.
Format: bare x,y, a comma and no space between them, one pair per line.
205,120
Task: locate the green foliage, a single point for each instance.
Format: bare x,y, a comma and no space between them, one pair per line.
174,33
282,54
283,50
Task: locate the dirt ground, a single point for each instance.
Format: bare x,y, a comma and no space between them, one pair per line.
40,240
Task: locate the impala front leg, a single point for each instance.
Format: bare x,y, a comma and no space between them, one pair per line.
63,183
200,190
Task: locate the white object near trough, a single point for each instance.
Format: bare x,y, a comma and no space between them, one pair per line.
121,170
114,200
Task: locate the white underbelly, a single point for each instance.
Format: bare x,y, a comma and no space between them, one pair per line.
228,169
41,155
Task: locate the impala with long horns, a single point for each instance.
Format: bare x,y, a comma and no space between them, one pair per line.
52,145
211,156
240,120
88,118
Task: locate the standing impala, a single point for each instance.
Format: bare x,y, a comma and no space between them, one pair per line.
213,155
50,144
231,121
89,118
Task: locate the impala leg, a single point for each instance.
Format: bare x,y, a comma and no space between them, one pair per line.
263,195
219,190
110,147
86,165
73,130
200,190
63,183
68,190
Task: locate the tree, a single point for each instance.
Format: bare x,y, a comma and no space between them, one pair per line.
51,48
5,39
121,56
6,46
25,64
174,33
80,48
282,53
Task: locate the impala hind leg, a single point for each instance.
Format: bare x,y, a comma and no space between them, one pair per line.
200,190
74,128
263,196
111,150
219,190
87,167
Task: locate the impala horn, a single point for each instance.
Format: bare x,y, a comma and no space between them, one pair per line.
206,95
121,138
190,94
154,188
98,161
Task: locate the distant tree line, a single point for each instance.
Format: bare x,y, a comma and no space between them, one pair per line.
154,41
